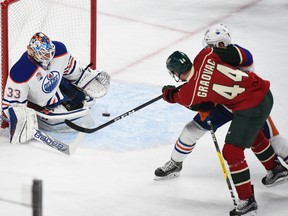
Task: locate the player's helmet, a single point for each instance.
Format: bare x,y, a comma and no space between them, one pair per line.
41,49
178,63
216,34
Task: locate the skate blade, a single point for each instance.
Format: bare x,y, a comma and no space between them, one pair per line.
279,182
170,176
252,213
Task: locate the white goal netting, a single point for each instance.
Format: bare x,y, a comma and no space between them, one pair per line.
68,21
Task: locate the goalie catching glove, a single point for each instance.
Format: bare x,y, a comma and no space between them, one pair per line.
95,83
23,121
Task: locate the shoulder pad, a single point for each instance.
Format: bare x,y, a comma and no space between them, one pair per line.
247,58
23,69
60,48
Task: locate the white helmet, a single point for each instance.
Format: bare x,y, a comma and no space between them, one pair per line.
216,34
41,49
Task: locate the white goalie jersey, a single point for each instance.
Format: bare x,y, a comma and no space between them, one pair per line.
29,82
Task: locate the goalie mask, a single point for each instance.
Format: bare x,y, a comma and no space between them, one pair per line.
177,64
217,34
41,49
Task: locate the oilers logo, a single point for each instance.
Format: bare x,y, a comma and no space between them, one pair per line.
50,81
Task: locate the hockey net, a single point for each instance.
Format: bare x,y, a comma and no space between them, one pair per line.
72,22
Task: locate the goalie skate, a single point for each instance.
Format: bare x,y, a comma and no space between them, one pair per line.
171,169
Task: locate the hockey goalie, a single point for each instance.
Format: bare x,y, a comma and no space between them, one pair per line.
46,86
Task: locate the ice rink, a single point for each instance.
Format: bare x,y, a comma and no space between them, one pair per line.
111,173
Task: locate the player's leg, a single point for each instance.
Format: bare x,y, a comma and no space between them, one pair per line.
186,142
238,138
244,132
278,142
182,148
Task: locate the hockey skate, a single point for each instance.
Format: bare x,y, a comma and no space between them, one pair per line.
276,176
171,169
246,207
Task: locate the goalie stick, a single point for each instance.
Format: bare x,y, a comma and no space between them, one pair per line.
42,137
67,149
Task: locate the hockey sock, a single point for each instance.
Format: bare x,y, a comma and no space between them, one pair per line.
239,170
181,151
264,151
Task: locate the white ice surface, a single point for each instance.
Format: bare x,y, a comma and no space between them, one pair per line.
112,171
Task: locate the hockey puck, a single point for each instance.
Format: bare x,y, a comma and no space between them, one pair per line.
106,114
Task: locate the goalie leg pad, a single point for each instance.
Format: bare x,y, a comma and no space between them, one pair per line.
55,120
23,122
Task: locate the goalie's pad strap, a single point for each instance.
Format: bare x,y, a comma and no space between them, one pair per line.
23,121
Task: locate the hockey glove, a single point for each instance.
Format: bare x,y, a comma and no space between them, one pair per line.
95,83
168,93
203,107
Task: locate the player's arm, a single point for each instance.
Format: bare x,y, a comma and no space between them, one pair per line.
246,59
96,83
236,56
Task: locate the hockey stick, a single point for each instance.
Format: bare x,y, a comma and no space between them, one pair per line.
222,162
92,130
40,136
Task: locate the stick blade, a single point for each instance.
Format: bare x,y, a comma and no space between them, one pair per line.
67,149
78,127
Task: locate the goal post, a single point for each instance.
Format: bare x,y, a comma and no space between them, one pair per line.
72,22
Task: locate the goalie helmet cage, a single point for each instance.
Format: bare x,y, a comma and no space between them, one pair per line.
72,22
